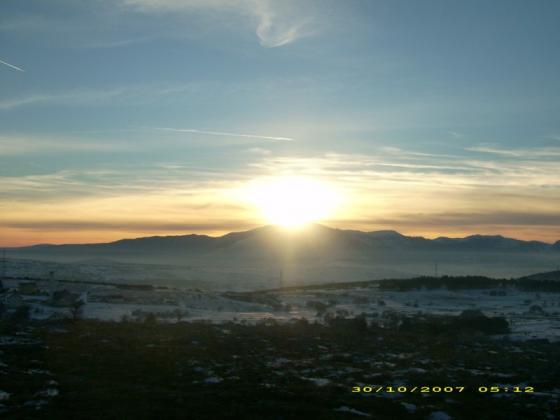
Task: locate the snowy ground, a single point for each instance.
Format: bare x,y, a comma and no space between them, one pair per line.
514,305
113,303
249,274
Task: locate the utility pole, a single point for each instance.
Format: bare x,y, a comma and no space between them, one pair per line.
436,269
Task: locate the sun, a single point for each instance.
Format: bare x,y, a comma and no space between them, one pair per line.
293,201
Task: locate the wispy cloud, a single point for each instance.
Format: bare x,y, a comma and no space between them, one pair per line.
275,23
455,134
142,225
136,94
526,153
226,134
72,97
493,218
12,103
121,42
275,29
12,66
431,173
11,145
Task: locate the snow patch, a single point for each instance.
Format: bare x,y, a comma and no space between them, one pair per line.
213,380
439,415
411,408
344,409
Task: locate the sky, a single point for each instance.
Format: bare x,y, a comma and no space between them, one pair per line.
128,118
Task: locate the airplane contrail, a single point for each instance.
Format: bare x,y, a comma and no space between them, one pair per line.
222,133
12,66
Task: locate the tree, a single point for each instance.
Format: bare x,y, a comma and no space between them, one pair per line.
180,314
150,318
76,311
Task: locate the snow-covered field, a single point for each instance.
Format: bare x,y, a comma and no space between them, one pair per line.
530,314
249,274
515,306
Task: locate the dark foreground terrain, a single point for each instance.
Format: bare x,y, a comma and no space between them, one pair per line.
140,370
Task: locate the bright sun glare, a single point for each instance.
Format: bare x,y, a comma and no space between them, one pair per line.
293,201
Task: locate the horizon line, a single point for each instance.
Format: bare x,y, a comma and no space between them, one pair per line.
431,238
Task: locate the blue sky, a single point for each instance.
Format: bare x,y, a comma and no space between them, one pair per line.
435,117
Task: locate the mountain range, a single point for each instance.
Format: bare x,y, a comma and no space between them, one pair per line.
271,256
313,241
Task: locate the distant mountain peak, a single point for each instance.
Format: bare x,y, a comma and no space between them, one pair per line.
386,234
479,236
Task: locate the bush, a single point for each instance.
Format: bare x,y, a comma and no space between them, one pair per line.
357,324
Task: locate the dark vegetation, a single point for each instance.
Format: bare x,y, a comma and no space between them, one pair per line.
470,321
469,282
123,286
258,297
197,370
541,282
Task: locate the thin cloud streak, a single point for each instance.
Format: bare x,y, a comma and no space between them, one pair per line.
124,94
275,23
145,225
493,218
537,152
78,97
12,66
225,134
21,145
